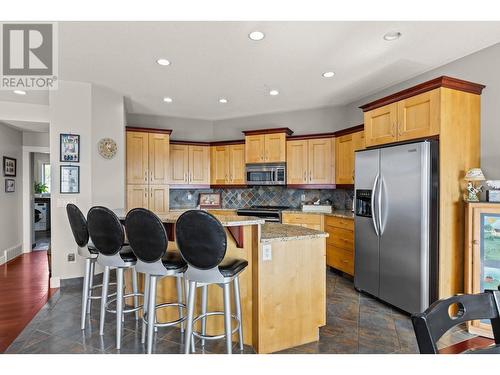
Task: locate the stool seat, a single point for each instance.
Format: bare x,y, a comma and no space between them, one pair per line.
172,260
230,267
127,255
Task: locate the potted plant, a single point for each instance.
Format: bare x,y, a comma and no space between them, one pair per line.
40,188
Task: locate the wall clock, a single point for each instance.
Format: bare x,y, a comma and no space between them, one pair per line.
107,148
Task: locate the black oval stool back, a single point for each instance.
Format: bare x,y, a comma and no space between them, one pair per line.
105,230
78,225
146,234
201,238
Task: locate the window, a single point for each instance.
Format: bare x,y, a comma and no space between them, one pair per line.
46,176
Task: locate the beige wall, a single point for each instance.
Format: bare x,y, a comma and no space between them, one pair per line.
11,203
36,139
481,67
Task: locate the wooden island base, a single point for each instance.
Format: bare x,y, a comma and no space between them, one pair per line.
283,299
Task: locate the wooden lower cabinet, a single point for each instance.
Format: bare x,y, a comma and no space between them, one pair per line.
340,244
152,197
312,221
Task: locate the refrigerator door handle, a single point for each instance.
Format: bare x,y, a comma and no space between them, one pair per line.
374,217
379,206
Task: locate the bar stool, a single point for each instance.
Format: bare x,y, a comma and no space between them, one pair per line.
202,241
108,235
85,249
149,241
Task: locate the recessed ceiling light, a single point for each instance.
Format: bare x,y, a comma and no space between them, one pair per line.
163,62
328,74
273,92
393,35
223,100
20,92
256,35
168,99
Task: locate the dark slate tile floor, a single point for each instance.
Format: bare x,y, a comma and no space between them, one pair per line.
356,323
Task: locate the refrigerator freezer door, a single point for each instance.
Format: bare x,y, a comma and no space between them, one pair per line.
404,243
366,241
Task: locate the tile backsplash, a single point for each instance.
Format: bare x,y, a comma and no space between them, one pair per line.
262,195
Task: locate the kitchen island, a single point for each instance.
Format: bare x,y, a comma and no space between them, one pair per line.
283,289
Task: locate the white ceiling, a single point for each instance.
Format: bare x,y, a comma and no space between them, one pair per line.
216,59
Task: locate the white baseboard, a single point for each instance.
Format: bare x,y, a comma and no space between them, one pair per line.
55,282
11,253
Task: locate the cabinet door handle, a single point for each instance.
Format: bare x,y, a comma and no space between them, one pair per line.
146,175
225,179
151,175
393,128
305,175
310,175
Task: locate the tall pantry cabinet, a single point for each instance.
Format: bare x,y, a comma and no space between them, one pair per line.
148,169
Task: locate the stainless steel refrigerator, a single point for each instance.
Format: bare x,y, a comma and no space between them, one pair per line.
396,224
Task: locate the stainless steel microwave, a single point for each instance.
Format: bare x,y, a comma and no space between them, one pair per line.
266,174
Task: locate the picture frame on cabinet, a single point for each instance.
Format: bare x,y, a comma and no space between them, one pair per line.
210,200
9,167
69,148
69,179
10,185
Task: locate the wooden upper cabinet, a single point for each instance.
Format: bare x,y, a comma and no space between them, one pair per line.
219,165
380,125
275,148
297,166
344,159
358,140
255,148
199,165
320,160
418,116
137,157
237,164
159,146
137,196
179,164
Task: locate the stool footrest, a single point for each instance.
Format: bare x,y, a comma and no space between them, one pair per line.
99,296
215,337
125,311
170,323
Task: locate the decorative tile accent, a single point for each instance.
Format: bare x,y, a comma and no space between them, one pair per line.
263,195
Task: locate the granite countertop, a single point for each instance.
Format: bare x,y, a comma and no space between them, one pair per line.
226,220
284,232
346,214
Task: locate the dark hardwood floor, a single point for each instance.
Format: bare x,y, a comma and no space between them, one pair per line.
24,290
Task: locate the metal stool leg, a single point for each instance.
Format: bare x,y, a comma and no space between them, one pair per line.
179,300
135,290
119,306
227,317
145,307
237,304
91,284
204,297
190,312
104,299
151,317
85,292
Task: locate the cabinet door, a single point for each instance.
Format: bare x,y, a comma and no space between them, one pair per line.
179,164
296,162
344,160
219,165
159,145
237,164
137,158
158,199
320,161
418,116
254,148
199,165
275,148
358,141
380,125
137,196
311,221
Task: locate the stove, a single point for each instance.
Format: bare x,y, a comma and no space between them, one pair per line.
268,213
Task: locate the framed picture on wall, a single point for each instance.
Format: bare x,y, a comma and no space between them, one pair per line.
10,185
70,148
70,179
9,166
